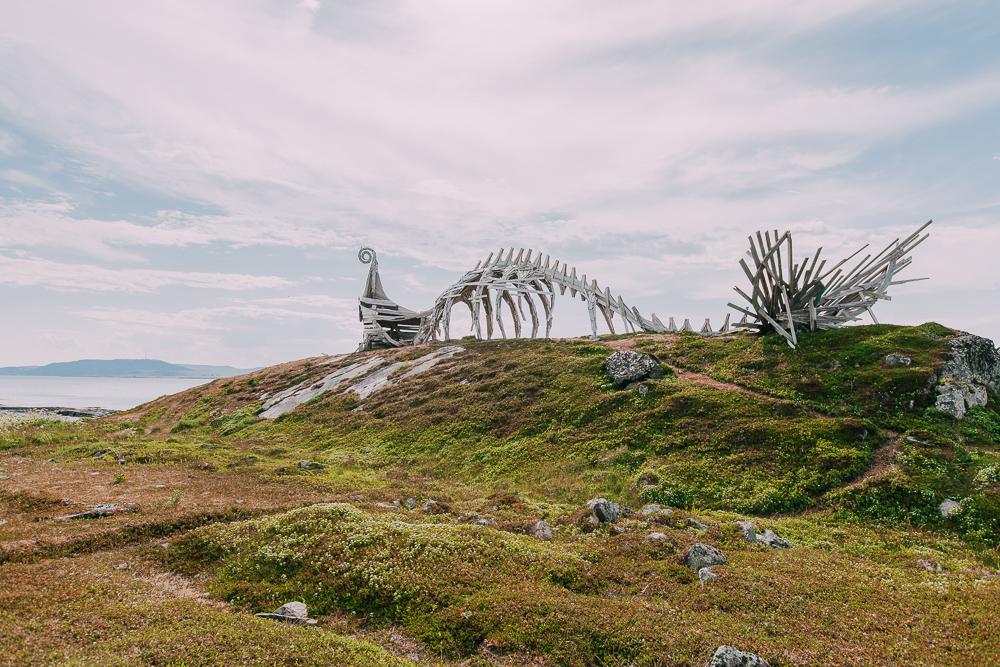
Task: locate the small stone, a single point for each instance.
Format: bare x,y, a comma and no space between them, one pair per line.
310,465
121,566
697,524
626,366
748,530
642,389
616,530
656,513
930,565
728,656
703,555
356,497
238,501
658,538
3,522
482,521
705,574
101,510
897,361
435,507
770,539
294,613
164,545
159,486
948,507
604,510
411,503
542,530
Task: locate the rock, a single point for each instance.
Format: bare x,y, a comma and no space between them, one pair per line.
604,510
3,522
101,510
705,574
435,507
477,520
656,513
121,566
626,366
542,530
294,613
703,555
356,497
697,524
748,530
948,507
658,538
930,565
411,503
642,389
310,465
616,530
896,361
728,656
770,539
974,368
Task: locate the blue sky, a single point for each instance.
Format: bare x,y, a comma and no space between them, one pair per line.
191,181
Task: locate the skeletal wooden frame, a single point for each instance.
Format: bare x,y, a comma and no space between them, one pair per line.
785,295
782,295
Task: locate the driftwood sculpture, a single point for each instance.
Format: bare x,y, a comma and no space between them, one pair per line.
523,286
785,295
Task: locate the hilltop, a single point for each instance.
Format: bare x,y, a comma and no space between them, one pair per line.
124,368
429,504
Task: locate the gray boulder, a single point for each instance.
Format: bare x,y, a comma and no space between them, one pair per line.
604,510
435,507
705,575
294,613
897,361
658,538
626,366
748,530
770,539
703,555
728,656
971,371
102,510
311,465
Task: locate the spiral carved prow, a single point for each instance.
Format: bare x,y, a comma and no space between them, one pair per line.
366,255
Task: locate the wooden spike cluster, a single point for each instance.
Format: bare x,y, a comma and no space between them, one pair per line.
786,296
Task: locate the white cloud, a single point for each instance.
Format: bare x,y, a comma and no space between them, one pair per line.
30,271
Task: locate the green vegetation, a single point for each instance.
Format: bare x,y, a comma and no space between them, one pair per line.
842,456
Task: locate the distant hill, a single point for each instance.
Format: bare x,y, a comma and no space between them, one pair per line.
124,368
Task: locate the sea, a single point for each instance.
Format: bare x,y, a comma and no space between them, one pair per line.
76,392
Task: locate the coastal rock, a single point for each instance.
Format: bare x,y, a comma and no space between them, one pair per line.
294,613
972,370
703,555
102,510
604,510
769,539
897,361
729,656
626,366
748,530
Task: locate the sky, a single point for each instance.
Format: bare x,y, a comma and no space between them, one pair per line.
192,181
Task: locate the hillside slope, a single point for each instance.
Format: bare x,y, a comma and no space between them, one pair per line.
399,494
123,368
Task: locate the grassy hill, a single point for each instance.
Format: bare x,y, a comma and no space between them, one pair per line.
405,519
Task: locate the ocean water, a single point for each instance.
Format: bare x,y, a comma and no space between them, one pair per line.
66,392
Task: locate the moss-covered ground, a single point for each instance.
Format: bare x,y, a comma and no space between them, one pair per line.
845,458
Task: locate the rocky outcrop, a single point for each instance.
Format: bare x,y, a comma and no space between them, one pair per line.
626,366
728,656
972,370
699,556
605,511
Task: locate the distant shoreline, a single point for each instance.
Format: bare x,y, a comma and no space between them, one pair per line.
11,414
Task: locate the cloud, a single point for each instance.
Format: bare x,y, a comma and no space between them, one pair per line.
30,271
